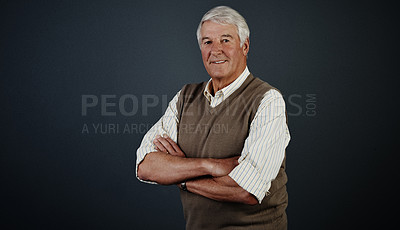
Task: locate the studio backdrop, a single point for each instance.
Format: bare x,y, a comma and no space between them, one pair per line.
83,81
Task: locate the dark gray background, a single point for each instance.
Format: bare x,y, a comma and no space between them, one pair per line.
340,162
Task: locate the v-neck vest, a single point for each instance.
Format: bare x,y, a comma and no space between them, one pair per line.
220,132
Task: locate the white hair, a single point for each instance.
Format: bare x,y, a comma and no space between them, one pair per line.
226,15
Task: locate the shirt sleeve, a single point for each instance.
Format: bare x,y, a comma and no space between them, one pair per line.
264,148
166,125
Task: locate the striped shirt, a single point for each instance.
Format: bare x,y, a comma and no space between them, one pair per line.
264,148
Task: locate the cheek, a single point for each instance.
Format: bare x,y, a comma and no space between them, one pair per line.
235,54
230,52
204,55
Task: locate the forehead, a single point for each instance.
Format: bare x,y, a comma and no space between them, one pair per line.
212,29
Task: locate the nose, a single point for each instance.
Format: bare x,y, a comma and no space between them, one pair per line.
216,48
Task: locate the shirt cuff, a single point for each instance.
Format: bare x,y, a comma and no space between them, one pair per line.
248,177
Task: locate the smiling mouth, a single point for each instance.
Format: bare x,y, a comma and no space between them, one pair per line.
218,62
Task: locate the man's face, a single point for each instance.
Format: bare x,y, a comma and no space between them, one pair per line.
221,52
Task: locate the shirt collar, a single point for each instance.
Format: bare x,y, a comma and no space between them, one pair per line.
229,89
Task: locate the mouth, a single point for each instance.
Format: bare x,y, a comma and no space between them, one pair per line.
218,62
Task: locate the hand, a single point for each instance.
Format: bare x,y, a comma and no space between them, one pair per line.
166,144
222,167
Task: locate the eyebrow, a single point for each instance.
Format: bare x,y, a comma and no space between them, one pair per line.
227,35
224,35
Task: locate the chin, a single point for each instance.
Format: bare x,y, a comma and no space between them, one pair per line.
217,74
220,76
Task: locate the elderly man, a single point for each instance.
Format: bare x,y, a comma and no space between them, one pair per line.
222,141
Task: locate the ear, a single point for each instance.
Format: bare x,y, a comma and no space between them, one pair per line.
246,47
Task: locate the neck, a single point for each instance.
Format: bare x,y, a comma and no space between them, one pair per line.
220,83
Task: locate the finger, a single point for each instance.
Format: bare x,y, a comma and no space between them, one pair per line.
178,150
166,144
236,160
159,146
172,143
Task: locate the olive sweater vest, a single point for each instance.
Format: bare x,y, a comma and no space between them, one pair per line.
220,132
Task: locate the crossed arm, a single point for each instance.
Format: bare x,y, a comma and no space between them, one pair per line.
209,177
206,177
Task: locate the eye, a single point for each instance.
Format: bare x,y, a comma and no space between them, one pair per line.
207,42
225,40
